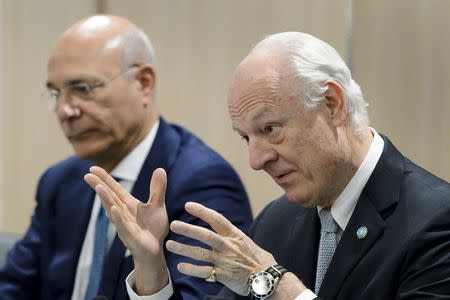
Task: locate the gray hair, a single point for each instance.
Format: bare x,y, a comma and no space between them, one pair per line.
136,48
312,62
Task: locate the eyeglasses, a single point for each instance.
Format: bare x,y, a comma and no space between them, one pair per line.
81,90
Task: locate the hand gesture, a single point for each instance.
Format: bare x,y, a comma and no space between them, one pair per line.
234,255
141,226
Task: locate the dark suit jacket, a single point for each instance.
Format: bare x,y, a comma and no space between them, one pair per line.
43,263
405,255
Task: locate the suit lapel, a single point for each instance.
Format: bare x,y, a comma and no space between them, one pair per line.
305,238
161,155
379,195
78,196
351,249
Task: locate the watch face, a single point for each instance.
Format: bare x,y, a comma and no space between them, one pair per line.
262,284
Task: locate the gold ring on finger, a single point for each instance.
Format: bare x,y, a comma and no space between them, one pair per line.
212,277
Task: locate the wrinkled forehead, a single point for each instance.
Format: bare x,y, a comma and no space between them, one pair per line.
261,79
249,90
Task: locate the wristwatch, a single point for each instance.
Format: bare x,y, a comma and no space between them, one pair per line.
263,284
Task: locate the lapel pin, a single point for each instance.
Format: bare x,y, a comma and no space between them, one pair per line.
361,232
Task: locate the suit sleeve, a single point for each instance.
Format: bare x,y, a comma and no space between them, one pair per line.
20,276
217,186
426,272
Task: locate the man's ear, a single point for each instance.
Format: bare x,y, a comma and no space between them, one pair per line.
336,103
146,77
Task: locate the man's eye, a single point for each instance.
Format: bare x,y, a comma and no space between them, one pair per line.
245,138
54,95
270,129
80,89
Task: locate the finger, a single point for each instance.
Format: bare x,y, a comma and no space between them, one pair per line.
109,199
201,234
219,223
158,185
110,182
118,193
105,198
94,181
194,252
197,271
125,229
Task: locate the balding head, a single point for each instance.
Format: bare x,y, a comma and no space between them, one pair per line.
99,26
307,63
102,34
101,77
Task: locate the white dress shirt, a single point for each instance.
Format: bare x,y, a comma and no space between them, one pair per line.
342,209
163,294
127,170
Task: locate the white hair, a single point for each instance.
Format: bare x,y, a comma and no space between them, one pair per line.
312,62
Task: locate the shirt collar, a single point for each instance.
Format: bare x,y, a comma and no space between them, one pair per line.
130,166
343,207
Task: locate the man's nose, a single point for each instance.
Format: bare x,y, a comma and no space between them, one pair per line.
260,153
66,110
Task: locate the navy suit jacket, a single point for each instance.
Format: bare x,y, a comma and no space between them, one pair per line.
43,263
405,255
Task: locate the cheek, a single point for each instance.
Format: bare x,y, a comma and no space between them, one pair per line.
103,119
303,152
127,124
315,157
327,173
309,145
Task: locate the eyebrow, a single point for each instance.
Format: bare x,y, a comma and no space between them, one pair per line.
70,82
257,118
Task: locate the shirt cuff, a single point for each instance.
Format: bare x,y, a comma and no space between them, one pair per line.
306,295
163,294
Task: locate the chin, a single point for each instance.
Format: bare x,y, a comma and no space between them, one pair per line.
301,199
90,149
87,154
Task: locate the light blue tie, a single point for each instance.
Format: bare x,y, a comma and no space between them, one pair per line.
98,255
327,245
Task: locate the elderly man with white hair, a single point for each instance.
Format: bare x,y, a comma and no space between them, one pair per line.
358,219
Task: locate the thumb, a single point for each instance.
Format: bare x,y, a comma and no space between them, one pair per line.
158,184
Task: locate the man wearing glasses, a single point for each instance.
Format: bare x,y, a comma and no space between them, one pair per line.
101,85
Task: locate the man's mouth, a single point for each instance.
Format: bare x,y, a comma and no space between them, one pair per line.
282,177
80,135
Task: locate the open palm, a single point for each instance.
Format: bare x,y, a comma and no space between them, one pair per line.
141,226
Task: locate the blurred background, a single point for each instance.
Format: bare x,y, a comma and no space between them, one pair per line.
397,51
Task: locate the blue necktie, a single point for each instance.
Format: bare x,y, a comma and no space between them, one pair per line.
327,245
98,255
